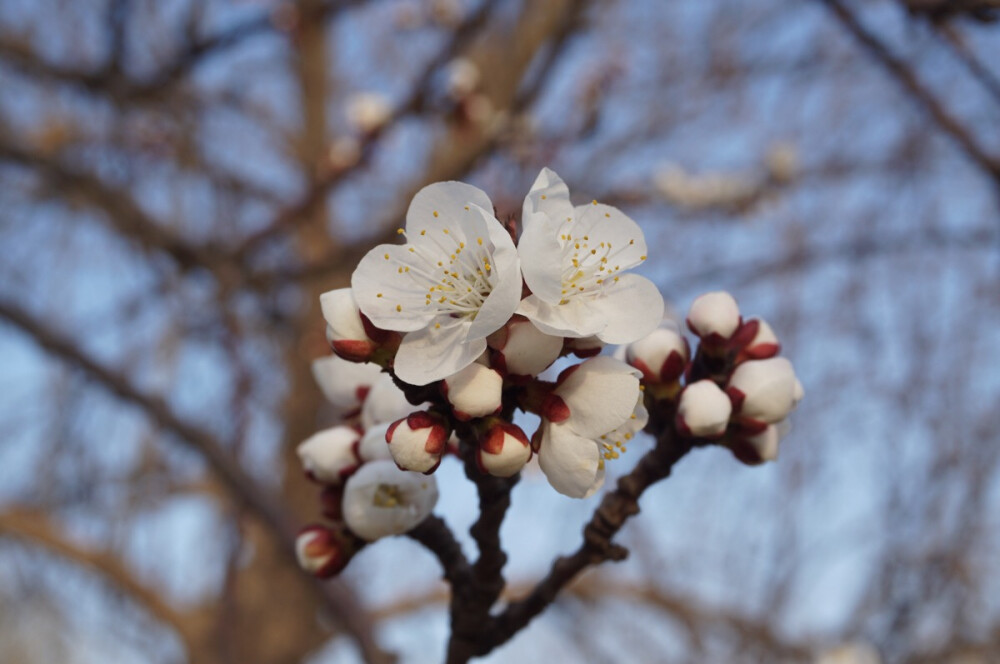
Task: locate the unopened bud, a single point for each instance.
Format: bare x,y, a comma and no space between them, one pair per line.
764,391
661,355
475,391
385,403
763,342
521,349
380,500
703,410
344,384
320,551
714,317
585,346
754,449
373,445
344,329
504,451
463,77
329,455
417,442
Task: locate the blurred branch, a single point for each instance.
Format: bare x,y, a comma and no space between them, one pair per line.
981,72
241,487
36,528
938,10
921,95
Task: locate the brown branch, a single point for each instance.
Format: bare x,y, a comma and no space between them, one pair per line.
920,94
437,538
939,10
338,599
35,527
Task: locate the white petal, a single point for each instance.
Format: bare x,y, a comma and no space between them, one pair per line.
342,382
527,351
769,388
433,353
633,307
714,313
572,464
475,391
341,313
329,454
373,446
540,252
577,318
380,500
549,195
385,403
452,201
500,304
704,408
601,395
603,223
392,300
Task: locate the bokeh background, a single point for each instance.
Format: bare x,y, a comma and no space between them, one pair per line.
181,179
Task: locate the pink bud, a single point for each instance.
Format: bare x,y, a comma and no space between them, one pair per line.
417,442
504,451
475,391
703,410
661,355
714,317
320,551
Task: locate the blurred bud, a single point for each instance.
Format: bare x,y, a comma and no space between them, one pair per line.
524,350
475,391
343,153
385,403
703,410
714,317
764,391
344,329
320,551
782,162
661,355
330,500
373,445
330,455
504,450
762,344
381,500
585,347
417,442
756,448
462,77
344,384
367,112
854,653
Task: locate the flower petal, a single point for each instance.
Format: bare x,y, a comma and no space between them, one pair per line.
433,353
633,307
391,296
452,202
550,196
343,382
502,301
572,464
576,319
601,395
603,223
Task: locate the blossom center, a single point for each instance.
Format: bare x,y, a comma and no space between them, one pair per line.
588,264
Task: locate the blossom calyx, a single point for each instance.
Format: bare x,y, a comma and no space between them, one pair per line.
504,450
475,391
521,349
322,551
329,456
381,500
703,410
764,391
715,318
417,442
661,355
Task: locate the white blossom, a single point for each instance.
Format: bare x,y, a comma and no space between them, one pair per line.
344,329
455,281
715,317
330,455
703,410
574,261
593,402
380,500
504,451
661,355
764,390
417,442
521,349
373,446
475,391
344,384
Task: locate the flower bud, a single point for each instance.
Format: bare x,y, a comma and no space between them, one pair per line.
344,384
380,500
763,342
764,391
524,350
703,410
585,346
344,329
373,446
661,355
714,317
417,442
320,551
385,403
367,112
329,455
475,391
462,77
504,451
756,448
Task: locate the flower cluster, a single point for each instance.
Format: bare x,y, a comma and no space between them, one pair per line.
441,339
